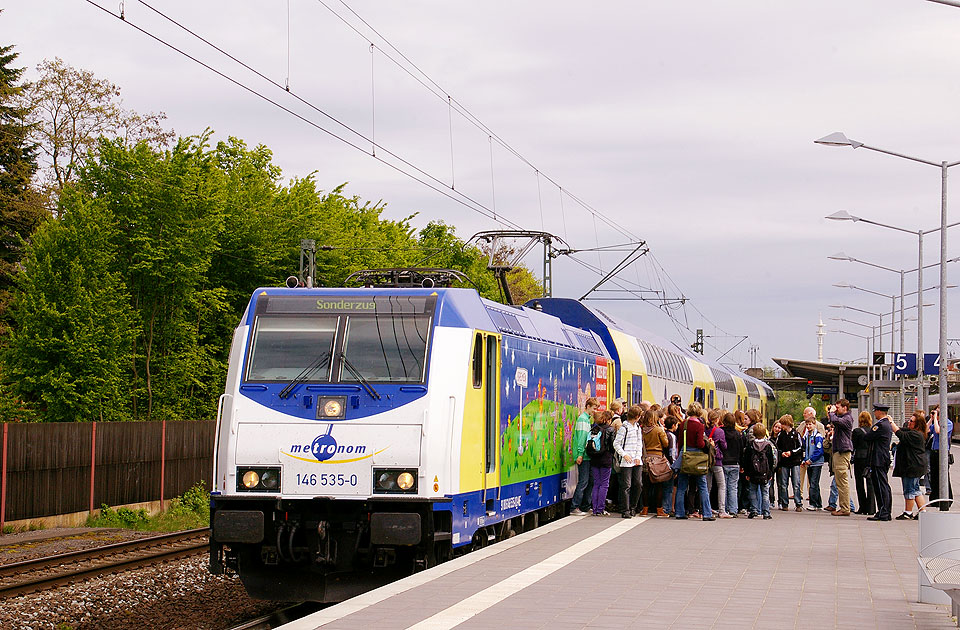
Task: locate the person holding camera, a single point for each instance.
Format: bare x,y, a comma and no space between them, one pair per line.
934,448
842,445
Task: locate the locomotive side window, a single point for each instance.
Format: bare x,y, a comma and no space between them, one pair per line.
478,361
387,348
283,347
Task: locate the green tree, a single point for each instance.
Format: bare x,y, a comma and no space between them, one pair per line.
73,323
20,207
73,109
167,211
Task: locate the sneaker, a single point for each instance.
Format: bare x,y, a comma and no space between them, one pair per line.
709,518
681,518
752,515
725,515
742,511
799,508
627,515
905,517
813,509
604,513
767,517
577,512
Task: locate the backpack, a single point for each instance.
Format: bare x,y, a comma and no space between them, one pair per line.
760,464
594,445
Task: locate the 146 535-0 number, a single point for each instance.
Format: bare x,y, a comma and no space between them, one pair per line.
326,479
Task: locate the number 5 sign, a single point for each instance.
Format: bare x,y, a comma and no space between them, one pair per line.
905,363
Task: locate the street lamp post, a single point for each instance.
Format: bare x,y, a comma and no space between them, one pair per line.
893,299
840,140
893,308
843,215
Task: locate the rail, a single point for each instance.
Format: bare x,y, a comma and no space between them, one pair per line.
42,573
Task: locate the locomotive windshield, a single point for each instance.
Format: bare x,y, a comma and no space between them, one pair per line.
283,347
383,338
387,348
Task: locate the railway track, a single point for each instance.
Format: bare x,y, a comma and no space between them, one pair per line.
280,616
43,573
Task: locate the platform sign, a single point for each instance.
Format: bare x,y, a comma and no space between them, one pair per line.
905,363
822,389
931,363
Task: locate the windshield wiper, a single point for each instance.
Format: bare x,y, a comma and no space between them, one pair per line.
302,376
357,375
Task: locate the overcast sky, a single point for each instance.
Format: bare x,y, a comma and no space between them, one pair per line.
689,124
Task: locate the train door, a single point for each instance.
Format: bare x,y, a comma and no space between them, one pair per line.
711,405
491,417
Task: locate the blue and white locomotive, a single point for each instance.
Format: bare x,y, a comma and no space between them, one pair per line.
368,433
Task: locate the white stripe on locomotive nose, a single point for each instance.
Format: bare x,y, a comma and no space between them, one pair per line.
492,595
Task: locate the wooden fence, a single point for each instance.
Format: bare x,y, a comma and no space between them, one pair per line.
48,469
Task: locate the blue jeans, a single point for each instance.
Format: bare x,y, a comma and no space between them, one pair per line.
732,474
582,494
835,495
669,489
813,475
761,497
701,481
783,481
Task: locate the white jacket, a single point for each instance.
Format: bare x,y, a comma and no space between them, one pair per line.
629,442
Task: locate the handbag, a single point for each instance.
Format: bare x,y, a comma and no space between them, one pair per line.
658,467
693,462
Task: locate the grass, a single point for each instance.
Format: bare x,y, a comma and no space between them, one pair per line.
188,511
32,526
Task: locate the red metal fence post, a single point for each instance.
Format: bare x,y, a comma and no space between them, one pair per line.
3,482
93,459
163,458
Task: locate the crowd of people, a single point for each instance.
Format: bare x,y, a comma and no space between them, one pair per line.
651,460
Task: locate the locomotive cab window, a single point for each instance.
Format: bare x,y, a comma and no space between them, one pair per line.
285,347
387,348
478,361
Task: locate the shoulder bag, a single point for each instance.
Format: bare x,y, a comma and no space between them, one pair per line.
693,462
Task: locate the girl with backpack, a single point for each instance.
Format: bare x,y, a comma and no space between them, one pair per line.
759,464
601,459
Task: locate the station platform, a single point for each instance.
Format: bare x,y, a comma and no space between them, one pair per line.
798,570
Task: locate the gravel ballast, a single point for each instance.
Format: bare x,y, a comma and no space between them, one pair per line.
177,594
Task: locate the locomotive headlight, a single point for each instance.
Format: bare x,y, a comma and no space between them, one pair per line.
332,409
258,479
387,481
269,479
395,480
405,480
251,479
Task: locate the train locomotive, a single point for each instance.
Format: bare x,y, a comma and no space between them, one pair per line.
365,434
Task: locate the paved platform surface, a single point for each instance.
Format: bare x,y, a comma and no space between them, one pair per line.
798,570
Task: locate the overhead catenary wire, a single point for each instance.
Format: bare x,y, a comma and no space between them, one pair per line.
439,186
433,183
440,92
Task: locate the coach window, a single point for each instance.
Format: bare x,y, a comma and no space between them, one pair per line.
478,361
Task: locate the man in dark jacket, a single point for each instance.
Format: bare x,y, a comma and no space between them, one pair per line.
790,454
879,439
